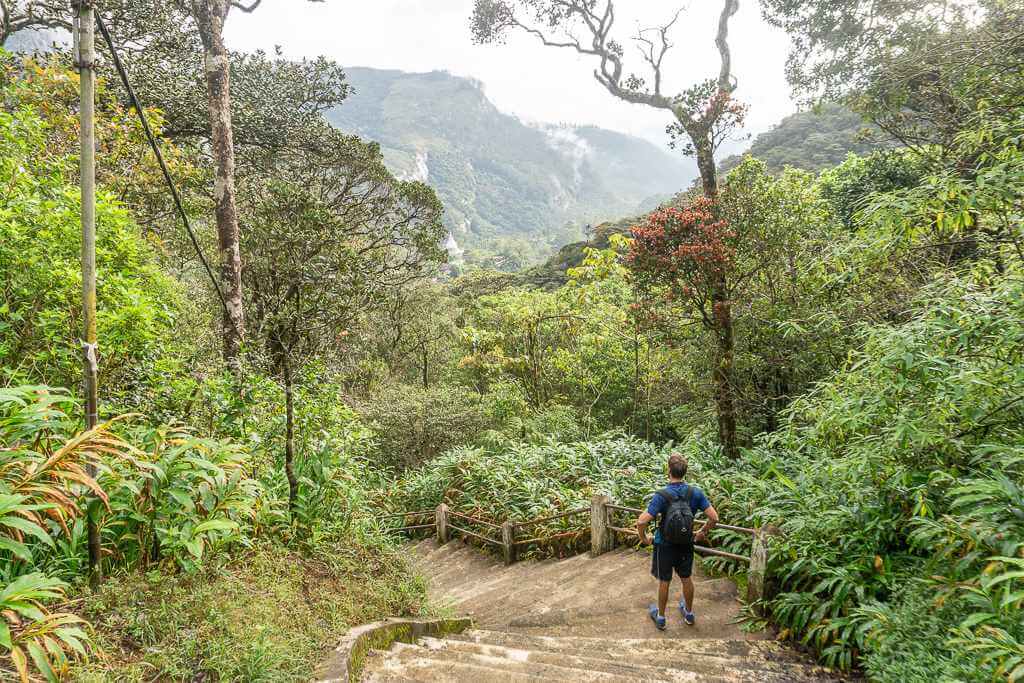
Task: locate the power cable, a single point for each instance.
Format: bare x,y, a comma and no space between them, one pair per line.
119,65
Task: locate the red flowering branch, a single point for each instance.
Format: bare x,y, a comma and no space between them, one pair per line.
682,253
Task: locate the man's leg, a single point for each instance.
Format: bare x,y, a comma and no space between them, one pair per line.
662,571
688,593
663,596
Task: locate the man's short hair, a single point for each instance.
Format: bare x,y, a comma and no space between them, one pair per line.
677,466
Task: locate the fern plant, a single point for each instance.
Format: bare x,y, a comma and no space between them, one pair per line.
28,632
43,476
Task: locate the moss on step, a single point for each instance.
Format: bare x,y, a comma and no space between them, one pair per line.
349,658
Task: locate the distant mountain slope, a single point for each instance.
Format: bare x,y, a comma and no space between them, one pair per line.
41,40
811,140
503,181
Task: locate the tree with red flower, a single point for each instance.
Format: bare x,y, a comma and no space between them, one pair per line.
686,255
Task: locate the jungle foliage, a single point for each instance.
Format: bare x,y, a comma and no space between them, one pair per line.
873,339
878,338
171,501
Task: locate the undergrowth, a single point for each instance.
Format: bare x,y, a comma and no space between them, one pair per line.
898,486
268,615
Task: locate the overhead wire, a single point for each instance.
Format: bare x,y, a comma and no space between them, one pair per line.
175,194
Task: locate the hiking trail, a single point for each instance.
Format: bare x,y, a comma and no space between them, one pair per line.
579,618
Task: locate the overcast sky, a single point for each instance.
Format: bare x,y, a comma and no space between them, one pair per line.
522,77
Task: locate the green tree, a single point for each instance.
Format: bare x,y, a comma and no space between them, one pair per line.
766,239
703,115
850,185
836,46
40,278
792,330
331,231
917,70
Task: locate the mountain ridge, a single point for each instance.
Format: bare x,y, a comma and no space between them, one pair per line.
813,141
513,190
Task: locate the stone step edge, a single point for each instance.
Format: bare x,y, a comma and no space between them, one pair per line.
759,650
428,652
422,670
629,667
345,665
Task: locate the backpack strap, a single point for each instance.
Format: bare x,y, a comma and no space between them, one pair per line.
669,498
667,495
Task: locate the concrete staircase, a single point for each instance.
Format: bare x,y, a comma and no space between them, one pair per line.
578,619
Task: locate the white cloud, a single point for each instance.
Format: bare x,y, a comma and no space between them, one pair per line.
523,77
568,141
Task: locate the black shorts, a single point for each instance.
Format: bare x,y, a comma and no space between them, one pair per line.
668,558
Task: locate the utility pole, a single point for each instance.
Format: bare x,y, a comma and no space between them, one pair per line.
85,58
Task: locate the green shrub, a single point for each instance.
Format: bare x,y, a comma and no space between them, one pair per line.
183,497
43,476
908,465
414,424
40,278
525,481
909,639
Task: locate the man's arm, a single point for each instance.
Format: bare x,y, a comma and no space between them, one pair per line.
712,515
641,527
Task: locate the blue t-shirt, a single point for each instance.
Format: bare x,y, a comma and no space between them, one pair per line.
698,502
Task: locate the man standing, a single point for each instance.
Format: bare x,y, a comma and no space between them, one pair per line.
675,506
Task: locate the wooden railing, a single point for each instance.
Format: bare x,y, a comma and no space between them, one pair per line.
510,536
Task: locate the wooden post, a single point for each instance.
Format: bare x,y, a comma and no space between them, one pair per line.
758,567
508,542
84,36
441,521
601,537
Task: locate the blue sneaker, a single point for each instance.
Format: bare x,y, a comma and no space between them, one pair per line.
659,621
688,616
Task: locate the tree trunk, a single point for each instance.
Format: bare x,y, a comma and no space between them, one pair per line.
708,171
289,437
218,87
426,377
725,401
634,427
723,372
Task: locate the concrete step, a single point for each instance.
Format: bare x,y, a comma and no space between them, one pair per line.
648,666
631,621
579,595
447,571
640,650
569,580
437,662
477,656
497,578
432,671
449,567
580,619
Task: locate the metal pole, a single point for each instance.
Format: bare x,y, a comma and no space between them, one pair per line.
85,54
